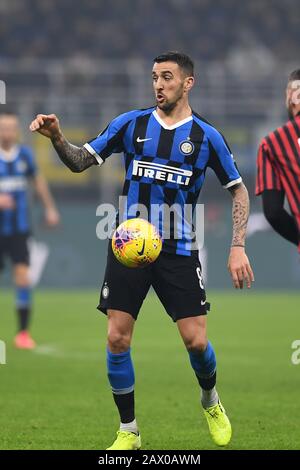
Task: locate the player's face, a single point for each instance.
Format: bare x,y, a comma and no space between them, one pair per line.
170,85
9,130
292,98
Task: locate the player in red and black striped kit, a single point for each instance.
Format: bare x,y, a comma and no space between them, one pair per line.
278,168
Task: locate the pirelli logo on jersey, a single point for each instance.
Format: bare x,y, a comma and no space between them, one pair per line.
160,172
13,183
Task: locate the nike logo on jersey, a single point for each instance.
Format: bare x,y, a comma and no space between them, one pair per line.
203,302
143,140
142,250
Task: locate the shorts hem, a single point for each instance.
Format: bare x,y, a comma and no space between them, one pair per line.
182,317
203,311
122,309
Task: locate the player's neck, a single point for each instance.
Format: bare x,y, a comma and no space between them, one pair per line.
8,151
179,113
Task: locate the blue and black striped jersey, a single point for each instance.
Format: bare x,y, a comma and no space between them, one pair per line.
14,174
165,164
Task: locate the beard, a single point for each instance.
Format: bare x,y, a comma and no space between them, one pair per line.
166,107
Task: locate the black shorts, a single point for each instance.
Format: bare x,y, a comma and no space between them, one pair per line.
14,247
176,280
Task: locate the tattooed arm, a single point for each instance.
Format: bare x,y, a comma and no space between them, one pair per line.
240,213
238,263
76,158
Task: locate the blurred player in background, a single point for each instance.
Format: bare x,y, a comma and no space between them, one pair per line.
162,145
278,168
17,170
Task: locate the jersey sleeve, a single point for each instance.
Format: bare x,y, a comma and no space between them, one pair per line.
267,175
221,161
110,140
32,168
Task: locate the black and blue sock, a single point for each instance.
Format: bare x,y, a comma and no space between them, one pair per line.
23,306
204,364
121,378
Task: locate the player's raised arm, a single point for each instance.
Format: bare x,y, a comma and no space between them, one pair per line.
238,263
76,158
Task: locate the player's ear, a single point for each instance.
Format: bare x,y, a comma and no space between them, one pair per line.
188,83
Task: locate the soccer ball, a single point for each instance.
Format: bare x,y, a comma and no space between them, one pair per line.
136,243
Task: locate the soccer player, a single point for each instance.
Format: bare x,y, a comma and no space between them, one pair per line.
278,168
167,149
17,169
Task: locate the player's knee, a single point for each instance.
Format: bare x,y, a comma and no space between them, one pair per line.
21,278
196,344
118,342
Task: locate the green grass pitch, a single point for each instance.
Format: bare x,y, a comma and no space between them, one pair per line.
59,398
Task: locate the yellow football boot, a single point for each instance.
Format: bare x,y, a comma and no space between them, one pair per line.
126,441
218,424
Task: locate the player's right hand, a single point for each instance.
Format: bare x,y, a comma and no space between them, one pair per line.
46,124
52,217
6,202
240,268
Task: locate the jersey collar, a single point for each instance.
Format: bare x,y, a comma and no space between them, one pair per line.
11,155
174,126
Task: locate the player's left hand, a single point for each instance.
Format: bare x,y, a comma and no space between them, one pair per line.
239,268
52,217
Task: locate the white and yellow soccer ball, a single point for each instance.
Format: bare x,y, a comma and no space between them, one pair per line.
136,243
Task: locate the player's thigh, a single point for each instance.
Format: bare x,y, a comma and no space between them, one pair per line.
124,289
193,332
178,282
